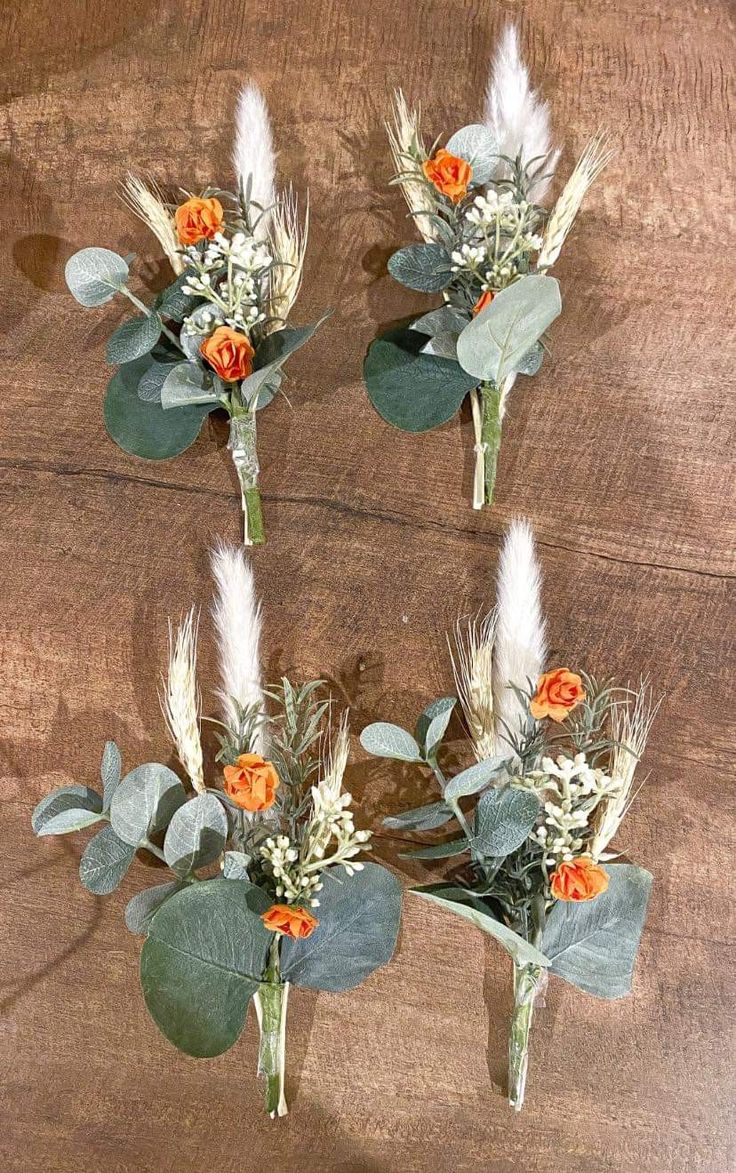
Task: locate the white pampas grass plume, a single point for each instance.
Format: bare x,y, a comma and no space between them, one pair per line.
471,652
594,158
407,149
253,153
520,647
237,618
631,721
289,245
180,699
147,203
517,116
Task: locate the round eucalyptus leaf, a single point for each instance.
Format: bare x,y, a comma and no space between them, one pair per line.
187,384
65,798
94,275
152,380
476,145
110,771
501,335
145,429
358,925
385,740
145,802
411,390
503,820
133,339
104,862
424,267
202,960
196,834
473,779
139,911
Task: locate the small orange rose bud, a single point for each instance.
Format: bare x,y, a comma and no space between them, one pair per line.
198,219
484,300
290,921
449,174
557,694
229,353
581,879
252,782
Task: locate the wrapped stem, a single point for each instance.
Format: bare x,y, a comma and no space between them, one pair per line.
271,1003
242,445
529,982
486,406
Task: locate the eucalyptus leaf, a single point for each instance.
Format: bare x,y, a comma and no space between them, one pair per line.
95,275
530,362
185,385
205,320
503,820
139,911
110,771
477,145
196,834
358,925
593,944
522,951
278,346
501,335
236,864
473,779
442,346
133,339
145,802
424,267
202,961
104,862
71,819
444,320
433,722
65,798
409,389
385,740
153,379
421,818
437,850
176,305
142,428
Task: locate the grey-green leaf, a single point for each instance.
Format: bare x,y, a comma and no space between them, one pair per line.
94,275
145,802
501,335
152,380
473,779
421,818
519,949
104,862
409,389
196,834
65,798
358,925
530,362
440,719
133,339
424,267
110,771
438,850
593,944
72,819
202,961
477,146
442,346
503,820
236,865
385,740
141,909
144,428
185,385
436,709
444,320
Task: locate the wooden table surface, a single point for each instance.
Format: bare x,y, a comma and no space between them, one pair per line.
620,452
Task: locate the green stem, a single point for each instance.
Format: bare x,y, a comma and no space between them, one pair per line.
145,310
272,998
242,444
528,980
490,435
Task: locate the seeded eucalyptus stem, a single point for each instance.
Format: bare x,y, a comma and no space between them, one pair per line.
529,980
271,1003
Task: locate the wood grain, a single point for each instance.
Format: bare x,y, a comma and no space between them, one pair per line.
620,452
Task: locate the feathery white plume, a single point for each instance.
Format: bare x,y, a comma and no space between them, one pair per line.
237,617
518,118
180,700
519,649
253,154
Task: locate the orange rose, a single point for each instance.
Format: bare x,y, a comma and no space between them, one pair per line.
198,219
484,300
581,879
558,692
292,922
449,174
229,353
252,782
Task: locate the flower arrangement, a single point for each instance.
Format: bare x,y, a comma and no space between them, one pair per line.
266,889
219,334
555,758
489,245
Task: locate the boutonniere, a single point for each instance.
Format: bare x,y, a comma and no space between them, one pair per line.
533,817
218,336
489,246
266,889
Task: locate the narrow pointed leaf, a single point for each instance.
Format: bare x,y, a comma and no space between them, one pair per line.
519,949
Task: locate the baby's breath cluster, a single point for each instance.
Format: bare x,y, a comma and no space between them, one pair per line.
229,272
570,789
499,237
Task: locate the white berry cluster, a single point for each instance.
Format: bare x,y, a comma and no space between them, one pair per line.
500,239
229,273
570,790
